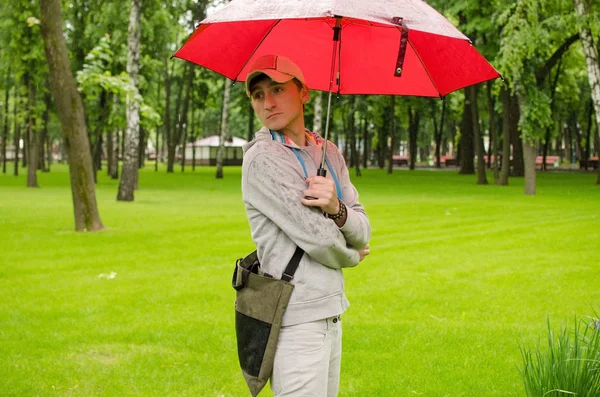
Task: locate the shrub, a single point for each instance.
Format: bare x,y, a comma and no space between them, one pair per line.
569,366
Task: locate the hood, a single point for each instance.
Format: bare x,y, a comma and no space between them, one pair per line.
261,135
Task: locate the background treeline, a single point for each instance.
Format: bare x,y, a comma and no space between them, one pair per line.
544,103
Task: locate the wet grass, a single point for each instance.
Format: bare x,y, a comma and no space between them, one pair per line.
459,276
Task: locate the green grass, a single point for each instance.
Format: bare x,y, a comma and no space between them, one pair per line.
459,277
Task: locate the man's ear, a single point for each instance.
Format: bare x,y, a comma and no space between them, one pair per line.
304,94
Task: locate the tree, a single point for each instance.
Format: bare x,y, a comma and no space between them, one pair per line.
591,56
4,138
466,144
532,42
317,121
393,132
472,98
70,110
224,117
129,174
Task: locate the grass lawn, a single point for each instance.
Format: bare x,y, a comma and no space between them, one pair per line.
459,276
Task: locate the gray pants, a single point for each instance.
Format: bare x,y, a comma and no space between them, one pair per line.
307,360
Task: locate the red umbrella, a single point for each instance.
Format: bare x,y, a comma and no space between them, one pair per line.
377,37
397,47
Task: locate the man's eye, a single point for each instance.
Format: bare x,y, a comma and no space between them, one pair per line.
257,95
277,89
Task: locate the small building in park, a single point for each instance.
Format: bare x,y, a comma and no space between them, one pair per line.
206,151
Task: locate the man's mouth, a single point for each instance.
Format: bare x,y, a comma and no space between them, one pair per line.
273,115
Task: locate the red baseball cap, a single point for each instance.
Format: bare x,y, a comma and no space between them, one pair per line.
277,67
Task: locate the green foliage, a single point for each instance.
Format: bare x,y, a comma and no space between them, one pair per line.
96,77
568,365
532,30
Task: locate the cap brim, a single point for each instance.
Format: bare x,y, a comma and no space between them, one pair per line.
275,75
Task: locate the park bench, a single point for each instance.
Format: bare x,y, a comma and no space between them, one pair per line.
399,160
591,163
550,160
449,161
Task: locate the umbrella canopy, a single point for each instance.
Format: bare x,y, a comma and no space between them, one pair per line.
398,47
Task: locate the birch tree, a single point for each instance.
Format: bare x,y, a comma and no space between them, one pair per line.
317,122
591,57
129,175
224,117
71,114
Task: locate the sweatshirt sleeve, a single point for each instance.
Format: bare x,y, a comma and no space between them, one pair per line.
275,189
357,229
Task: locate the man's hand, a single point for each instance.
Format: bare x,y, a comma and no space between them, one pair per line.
324,192
364,252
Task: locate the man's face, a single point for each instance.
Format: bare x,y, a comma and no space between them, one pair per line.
278,105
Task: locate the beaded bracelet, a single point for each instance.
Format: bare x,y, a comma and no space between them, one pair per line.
341,213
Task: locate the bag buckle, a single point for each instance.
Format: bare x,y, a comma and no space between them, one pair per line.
286,277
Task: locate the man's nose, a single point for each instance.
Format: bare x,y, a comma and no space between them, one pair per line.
269,101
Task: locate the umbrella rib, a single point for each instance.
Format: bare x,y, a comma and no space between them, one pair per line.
256,49
425,68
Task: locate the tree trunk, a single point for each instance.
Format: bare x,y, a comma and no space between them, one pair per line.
185,137
529,155
49,152
5,125
357,135
224,116
184,124
507,118
439,132
97,147
318,120
192,140
32,137
365,133
481,176
574,126
130,171
493,132
588,133
467,144
70,111
393,132
591,57
28,121
251,121
109,152
44,145
413,129
114,174
194,157
142,148
168,128
34,148
17,130
568,141
518,168
112,148
157,151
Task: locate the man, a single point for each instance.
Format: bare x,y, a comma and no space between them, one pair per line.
288,206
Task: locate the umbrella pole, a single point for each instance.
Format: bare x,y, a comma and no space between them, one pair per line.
336,40
322,171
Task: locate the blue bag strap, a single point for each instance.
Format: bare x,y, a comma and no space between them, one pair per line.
301,160
338,187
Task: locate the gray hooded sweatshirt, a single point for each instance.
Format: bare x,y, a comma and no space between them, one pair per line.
273,182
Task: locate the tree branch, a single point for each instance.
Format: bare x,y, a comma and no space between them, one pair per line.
543,71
